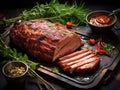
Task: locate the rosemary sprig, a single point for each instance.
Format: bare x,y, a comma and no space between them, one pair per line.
53,11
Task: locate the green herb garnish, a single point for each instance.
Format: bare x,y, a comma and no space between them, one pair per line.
53,11
108,47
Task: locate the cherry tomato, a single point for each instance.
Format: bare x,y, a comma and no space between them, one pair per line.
69,24
92,41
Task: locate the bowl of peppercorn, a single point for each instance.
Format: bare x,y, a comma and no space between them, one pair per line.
15,72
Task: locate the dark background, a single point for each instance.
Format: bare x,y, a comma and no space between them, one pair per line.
11,8
28,3
90,4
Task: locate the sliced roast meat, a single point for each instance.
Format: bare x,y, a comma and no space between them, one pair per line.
88,66
44,40
76,58
79,64
73,54
84,61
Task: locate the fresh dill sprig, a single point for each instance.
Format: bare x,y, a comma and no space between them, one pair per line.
53,11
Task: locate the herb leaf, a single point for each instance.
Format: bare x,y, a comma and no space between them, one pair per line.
108,47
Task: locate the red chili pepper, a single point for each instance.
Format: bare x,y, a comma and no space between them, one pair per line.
99,50
99,44
102,44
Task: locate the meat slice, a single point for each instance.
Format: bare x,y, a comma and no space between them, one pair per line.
86,60
44,40
88,66
73,54
74,59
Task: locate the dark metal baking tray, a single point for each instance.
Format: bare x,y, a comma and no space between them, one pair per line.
86,80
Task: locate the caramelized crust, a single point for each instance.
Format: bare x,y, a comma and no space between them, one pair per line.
44,40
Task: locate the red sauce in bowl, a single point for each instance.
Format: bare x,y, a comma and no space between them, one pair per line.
101,20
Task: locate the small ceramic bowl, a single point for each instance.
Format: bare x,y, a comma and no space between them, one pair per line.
15,72
98,27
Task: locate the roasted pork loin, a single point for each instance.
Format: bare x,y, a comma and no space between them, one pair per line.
44,40
79,61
